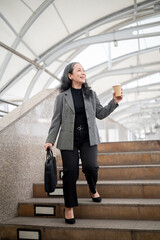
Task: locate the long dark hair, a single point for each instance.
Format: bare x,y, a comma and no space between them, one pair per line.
66,83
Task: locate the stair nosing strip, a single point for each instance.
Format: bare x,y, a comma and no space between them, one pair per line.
117,225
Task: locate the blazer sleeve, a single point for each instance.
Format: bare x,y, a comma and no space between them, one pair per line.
56,120
103,112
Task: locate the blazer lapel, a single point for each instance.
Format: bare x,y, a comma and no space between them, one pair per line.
69,99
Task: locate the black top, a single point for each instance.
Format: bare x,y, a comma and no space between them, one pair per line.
80,114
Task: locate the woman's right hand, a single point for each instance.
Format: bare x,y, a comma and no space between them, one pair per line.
48,145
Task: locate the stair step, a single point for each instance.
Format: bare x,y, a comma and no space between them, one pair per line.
123,172
125,209
83,229
133,146
109,189
125,158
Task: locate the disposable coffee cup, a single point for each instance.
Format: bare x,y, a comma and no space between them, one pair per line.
117,89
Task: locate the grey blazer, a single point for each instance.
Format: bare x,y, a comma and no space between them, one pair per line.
64,116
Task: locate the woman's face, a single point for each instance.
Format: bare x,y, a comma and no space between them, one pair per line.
78,76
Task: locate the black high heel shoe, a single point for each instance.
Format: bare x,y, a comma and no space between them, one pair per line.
70,220
96,199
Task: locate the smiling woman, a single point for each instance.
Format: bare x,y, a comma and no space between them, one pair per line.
76,108
75,76
78,76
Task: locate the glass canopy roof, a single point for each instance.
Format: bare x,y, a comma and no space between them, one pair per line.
115,41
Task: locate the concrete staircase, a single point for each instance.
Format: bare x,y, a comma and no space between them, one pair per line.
129,183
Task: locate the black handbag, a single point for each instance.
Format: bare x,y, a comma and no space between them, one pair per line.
50,172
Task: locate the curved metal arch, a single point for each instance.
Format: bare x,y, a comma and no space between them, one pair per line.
122,58
133,79
104,64
135,112
106,19
122,24
16,34
91,26
106,95
134,106
96,24
18,77
135,102
124,34
69,38
99,39
37,66
23,31
108,30
134,121
99,75
129,70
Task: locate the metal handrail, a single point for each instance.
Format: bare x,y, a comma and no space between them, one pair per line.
38,66
11,103
3,111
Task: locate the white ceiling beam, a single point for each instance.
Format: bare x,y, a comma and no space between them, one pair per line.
136,110
61,18
152,67
117,15
138,102
35,64
27,6
122,58
106,94
106,19
139,114
140,16
136,107
23,31
104,64
16,34
125,34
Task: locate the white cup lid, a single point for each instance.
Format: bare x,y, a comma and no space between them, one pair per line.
117,85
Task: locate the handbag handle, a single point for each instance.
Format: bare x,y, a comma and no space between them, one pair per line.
49,152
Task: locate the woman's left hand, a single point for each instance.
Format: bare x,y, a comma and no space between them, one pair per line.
117,99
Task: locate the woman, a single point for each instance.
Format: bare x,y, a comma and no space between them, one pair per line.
74,115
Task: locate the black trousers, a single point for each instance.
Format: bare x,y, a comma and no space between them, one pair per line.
70,158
